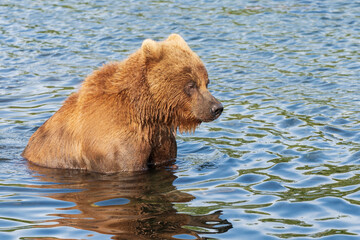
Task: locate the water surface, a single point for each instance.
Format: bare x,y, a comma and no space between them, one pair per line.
282,162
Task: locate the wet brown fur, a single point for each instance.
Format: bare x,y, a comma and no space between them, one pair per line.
125,115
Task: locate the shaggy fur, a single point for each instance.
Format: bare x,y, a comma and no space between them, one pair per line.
125,115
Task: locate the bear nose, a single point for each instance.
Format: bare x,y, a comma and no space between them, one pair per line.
216,109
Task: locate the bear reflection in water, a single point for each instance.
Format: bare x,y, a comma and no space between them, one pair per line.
138,205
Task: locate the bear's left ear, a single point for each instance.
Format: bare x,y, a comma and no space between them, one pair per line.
151,49
178,40
175,37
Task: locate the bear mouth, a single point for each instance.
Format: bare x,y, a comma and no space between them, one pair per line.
217,115
211,118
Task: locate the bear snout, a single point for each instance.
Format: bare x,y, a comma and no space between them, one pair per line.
216,110
207,108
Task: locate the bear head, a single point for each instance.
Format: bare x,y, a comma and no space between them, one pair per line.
178,82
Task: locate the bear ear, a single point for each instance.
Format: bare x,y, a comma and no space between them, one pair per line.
177,39
151,49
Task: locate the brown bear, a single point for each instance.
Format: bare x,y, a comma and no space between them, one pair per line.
126,114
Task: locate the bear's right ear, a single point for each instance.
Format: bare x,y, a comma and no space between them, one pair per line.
151,49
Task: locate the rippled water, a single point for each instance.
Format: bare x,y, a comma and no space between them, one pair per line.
282,162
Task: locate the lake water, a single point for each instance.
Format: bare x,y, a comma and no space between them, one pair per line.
282,162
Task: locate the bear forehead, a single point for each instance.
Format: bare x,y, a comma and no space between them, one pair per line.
198,70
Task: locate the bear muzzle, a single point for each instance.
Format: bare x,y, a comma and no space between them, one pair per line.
206,107
216,110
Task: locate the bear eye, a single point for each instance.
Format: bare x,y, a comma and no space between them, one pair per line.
192,84
190,88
